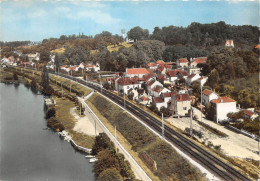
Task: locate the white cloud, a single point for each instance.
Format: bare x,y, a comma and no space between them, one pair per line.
95,15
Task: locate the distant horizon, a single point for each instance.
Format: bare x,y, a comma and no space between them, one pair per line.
35,21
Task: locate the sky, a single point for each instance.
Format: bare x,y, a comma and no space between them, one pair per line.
39,19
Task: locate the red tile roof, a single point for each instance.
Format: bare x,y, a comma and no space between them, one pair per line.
183,60
150,71
157,88
137,71
150,82
160,67
167,94
172,73
200,60
127,81
160,77
152,64
144,98
229,42
248,113
222,100
183,73
157,100
191,76
182,97
207,92
257,46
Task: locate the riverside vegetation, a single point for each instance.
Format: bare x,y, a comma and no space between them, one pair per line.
110,165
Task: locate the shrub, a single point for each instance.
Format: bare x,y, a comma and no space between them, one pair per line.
51,112
55,124
15,76
109,175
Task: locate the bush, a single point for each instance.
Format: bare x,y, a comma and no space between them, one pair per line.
51,112
15,76
110,174
55,124
102,142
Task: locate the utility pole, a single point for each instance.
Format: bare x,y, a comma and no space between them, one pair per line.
100,83
124,90
162,126
191,121
115,131
70,86
201,102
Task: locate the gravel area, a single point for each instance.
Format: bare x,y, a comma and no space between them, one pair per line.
234,145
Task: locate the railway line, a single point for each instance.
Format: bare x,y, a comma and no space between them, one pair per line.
209,161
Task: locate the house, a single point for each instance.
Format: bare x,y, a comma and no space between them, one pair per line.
191,78
92,67
143,100
229,43
193,65
151,84
157,90
257,46
139,72
183,63
247,114
196,61
126,83
160,62
35,56
180,104
207,96
166,96
173,76
152,65
158,103
202,80
223,106
161,69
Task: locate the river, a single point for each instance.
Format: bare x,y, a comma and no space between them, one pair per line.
28,151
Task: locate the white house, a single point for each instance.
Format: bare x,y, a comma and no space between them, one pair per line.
229,43
223,106
152,83
249,114
202,80
126,84
180,104
191,78
207,96
182,62
159,103
139,72
152,65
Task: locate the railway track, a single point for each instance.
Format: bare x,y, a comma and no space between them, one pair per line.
209,161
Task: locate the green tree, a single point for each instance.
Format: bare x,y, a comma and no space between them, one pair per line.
213,80
137,33
44,56
105,160
110,174
45,78
102,142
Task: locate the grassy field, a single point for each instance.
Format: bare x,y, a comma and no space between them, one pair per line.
113,48
63,114
58,50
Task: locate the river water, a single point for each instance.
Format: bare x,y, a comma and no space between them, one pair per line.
29,152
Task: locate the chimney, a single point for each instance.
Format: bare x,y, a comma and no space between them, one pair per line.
180,97
221,100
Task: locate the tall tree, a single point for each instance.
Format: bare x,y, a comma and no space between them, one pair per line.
137,33
45,78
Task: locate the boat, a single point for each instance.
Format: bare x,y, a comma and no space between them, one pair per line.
89,156
92,160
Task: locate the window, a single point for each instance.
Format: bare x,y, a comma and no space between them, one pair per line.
127,87
184,108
